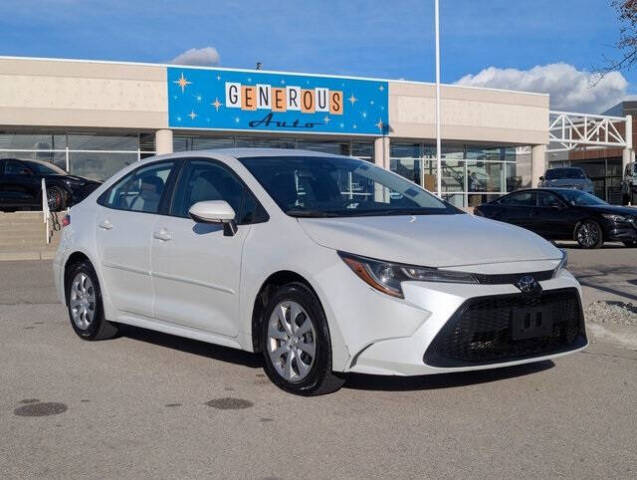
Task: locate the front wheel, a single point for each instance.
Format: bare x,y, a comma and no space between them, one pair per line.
296,343
84,301
589,234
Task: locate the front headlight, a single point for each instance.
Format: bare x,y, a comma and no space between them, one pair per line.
563,263
614,217
387,277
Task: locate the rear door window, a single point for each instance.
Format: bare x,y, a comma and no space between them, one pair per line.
141,190
520,199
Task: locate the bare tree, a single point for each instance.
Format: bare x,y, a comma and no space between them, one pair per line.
627,43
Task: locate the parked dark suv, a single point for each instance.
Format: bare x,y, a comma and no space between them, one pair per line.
567,177
21,185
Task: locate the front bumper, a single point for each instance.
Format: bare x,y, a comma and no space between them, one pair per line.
621,231
427,310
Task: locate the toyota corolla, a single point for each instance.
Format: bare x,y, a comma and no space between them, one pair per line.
322,264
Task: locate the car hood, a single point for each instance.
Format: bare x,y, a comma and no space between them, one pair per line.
566,182
616,209
430,240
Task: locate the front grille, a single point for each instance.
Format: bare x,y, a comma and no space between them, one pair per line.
504,328
511,278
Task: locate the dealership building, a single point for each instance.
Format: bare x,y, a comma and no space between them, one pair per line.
92,118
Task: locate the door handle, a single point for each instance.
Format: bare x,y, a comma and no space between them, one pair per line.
106,225
163,235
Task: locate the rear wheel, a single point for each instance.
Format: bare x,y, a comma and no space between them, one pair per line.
589,234
55,198
84,301
296,343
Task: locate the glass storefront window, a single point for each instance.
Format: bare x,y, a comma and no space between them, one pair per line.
364,151
456,199
406,167
203,143
338,148
32,141
484,176
453,176
513,180
99,166
103,142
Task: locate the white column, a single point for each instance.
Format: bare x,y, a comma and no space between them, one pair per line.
627,153
538,163
381,159
381,152
163,142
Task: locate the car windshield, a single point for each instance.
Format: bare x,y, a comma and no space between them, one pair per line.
557,173
44,168
577,197
340,187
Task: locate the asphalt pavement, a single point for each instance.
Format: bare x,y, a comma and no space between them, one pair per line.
147,405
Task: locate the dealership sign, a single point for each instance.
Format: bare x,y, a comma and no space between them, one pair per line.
261,101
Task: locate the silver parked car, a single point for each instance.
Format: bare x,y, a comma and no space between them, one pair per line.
567,177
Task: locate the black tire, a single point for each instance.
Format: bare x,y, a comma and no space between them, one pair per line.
56,199
631,244
589,234
320,379
99,328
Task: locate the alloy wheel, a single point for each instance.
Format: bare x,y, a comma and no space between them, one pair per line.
588,235
291,343
82,301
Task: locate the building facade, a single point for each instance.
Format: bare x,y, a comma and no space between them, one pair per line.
92,118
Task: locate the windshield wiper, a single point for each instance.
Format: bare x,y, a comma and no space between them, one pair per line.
297,212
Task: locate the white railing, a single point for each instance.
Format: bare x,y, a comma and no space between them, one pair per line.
568,131
46,212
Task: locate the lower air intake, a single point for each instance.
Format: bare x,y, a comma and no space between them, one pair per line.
505,328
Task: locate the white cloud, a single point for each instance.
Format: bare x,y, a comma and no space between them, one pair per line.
570,89
204,57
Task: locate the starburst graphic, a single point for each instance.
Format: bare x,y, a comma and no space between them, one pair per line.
192,115
182,82
352,99
381,88
216,104
380,125
326,119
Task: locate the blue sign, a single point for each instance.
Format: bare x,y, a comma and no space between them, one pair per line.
273,102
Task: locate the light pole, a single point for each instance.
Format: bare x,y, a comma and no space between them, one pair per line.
438,141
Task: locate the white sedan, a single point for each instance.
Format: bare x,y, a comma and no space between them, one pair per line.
272,251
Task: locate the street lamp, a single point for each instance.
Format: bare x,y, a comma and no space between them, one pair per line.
438,140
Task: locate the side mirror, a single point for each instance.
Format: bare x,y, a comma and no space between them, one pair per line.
542,178
215,212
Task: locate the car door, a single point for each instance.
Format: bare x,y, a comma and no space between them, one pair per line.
19,186
196,268
125,219
550,217
516,208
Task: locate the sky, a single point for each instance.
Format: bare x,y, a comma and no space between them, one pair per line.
541,45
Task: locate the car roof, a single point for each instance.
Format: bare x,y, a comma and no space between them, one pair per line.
268,152
564,168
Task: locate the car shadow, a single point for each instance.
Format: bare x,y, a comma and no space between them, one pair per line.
195,347
444,380
575,246
353,381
